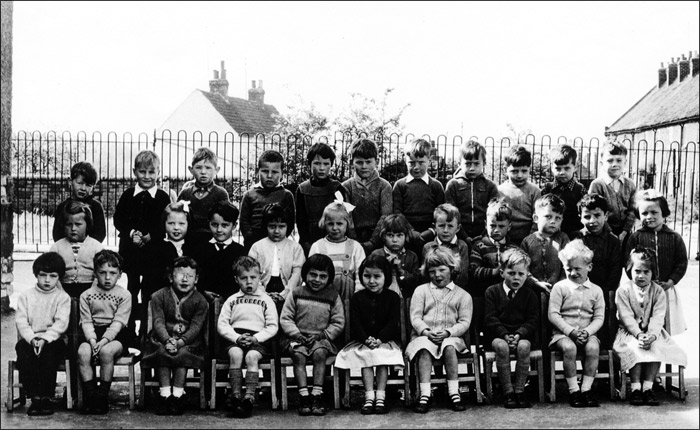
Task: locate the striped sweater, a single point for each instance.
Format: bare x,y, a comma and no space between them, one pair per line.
307,312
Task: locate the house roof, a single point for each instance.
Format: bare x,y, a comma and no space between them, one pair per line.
242,115
662,106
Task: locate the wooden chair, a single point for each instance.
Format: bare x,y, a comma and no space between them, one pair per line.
536,355
65,366
222,363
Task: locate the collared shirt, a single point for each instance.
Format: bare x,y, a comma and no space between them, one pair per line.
425,178
566,186
390,254
260,186
226,243
373,176
452,242
614,183
152,191
507,290
177,244
451,286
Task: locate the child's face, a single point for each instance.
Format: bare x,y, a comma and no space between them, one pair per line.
548,221
107,276
316,279
336,226
146,176
248,280
364,166
518,175
497,230
563,173
176,226
46,281
417,166
515,275
276,230
373,279
321,167
594,219
221,229
75,227
577,270
80,190
269,174
184,279
204,172
614,164
440,276
446,230
394,241
651,215
641,273
473,167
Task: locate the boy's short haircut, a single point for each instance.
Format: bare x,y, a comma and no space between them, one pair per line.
499,209
645,255
513,256
337,207
74,207
180,206
562,154
651,195
518,156
613,147
473,150
449,210
271,156
245,264
395,223
183,261
109,258
376,261
418,148
86,170
275,212
364,148
593,201
319,262
576,249
49,262
227,210
204,154
440,257
146,158
552,200
321,149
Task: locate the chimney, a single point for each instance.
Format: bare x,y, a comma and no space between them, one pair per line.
662,75
256,94
219,85
672,71
694,64
683,68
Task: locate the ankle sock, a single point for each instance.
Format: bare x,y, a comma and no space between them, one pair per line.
369,395
573,384
304,391
317,390
587,383
453,387
165,391
647,385
381,395
424,389
178,392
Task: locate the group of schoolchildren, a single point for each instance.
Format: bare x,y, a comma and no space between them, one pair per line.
365,244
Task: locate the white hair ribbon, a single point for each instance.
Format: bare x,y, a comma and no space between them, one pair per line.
339,199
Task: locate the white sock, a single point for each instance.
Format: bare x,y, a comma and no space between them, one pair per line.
178,391
572,383
647,385
381,394
587,383
452,387
369,395
424,388
636,386
165,391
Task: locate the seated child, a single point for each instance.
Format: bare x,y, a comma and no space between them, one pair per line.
440,315
83,179
312,318
577,312
104,312
374,332
519,192
77,248
511,322
565,186
405,265
176,341
42,318
642,343
247,323
447,224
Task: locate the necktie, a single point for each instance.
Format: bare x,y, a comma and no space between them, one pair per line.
511,293
220,245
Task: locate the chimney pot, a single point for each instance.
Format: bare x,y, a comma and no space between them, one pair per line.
672,73
256,94
252,84
223,70
683,69
260,83
219,85
216,74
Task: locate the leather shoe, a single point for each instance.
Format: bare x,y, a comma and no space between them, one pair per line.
649,398
161,405
576,399
47,406
591,402
247,407
367,408
636,398
422,408
379,407
34,408
305,405
510,402
522,401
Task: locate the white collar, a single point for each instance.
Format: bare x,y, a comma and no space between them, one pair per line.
574,285
390,253
177,243
452,242
226,242
507,289
608,180
451,286
260,185
425,178
152,191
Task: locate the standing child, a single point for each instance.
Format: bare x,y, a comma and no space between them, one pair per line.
202,193
440,315
470,191
417,194
347,254
519,193
77,248
312,318
247,323
104,312
405,265
577,312
314,194
447,224
83,179
374,332
565,186
42,318
279,256
370,193
176,341
671,255
642,343
267,190
511,322
543,246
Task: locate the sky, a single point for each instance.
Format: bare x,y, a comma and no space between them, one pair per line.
555,68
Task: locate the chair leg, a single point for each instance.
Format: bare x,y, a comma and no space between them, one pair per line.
10,401
132,387
212,397
346,392
488,373
552,381
623,385
202,390
336,386
273,385
142,387
283,383
540,378
69,385
407,384
79,390
477,380
681,383
611,374
669,379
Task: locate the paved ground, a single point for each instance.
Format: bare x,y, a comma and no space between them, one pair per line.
612,414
